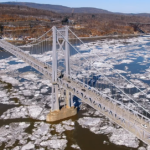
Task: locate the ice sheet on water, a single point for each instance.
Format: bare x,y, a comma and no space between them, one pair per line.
46,82
27,93
126,62
45,58
141,148
68,122
42,129
10,80
16,66
88,122
117,136
66,127
29,76
3,93
55,144
102,65
129,86
43,114
122,137
139,83
44,90
106,91
120,71
15,131
35,111
16,112
75,146
59,128
28,146
96,125
107,129
148,147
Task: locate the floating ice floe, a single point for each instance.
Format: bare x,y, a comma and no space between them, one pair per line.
116,136
107,129
16,112
44,90
102,65
16,66
10,80
141,148
92,123
126,62
15,131
28,146
35,112
45,58
46,82
68,122
148,147
59,144
3,93
27,93
122,137
29,76
75,146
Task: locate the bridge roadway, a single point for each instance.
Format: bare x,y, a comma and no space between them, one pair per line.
117,112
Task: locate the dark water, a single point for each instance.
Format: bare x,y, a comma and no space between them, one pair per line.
134,67
83,137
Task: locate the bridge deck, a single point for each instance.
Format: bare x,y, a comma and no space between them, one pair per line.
118,113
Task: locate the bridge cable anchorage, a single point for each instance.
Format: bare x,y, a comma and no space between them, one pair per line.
106,77
108,66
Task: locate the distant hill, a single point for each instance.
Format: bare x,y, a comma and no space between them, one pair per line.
59,8
24,10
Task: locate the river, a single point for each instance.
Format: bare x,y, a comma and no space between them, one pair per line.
22,87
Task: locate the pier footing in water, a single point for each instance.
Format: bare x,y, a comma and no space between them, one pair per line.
61,114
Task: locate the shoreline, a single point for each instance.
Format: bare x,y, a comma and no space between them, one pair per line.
113,36
94,37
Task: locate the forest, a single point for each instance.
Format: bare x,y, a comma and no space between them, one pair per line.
20,21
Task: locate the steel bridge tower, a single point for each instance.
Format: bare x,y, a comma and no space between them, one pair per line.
68,110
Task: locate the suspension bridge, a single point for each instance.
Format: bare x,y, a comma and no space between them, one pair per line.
64,67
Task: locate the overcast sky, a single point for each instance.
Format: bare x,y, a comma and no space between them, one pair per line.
125,6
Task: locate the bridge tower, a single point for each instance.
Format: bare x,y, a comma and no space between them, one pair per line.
68,110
